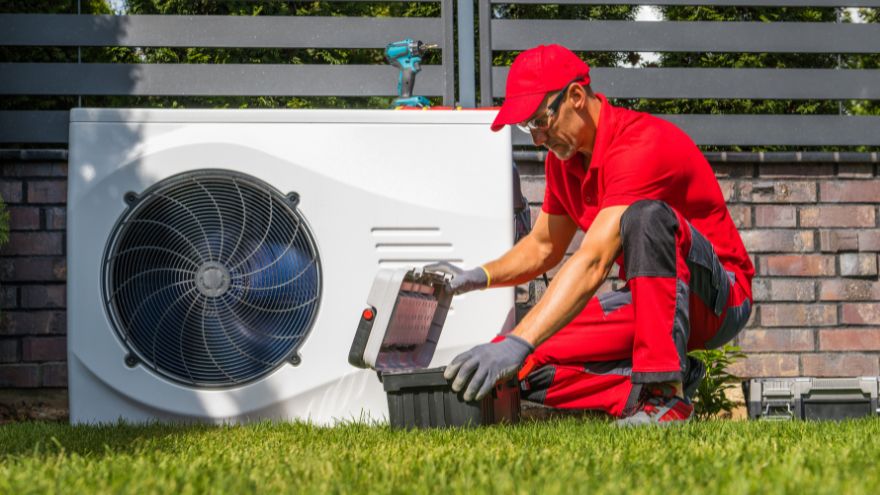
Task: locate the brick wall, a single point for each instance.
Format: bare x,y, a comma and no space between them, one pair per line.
812,229
33,271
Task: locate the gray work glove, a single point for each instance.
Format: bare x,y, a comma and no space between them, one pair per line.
462,280
483,366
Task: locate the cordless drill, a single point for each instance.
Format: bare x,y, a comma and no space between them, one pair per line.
406,55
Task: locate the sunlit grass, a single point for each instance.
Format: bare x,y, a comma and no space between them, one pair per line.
569,455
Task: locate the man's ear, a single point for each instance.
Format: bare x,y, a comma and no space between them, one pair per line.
578,96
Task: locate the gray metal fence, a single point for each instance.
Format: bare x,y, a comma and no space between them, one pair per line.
496,35
694,83
71,30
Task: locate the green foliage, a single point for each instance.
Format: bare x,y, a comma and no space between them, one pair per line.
549,457
710,399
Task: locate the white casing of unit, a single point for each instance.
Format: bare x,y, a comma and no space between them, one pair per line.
378,188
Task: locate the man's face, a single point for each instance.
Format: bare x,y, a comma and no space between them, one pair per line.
548,127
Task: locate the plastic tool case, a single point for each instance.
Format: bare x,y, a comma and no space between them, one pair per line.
397,336
811,398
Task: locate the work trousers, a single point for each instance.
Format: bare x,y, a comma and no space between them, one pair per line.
678,297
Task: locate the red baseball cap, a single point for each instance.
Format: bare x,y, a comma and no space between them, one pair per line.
534,73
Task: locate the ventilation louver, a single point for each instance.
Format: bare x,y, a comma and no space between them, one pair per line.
212,278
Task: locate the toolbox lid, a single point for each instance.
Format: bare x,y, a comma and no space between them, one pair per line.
401,324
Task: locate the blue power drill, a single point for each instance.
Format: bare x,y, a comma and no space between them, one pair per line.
406,55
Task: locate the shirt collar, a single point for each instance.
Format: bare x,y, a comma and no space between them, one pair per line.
604,132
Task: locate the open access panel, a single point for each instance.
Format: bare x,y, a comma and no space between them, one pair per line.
397,336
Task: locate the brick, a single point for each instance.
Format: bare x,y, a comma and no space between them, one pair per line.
849,340
772,241
728,189
44,296
796,170
34,169
35,243
33,322
869,240
798,315
764,289
860,313
806,265
849,290
44,349
777,192
835,241
761,340
8,297
19,375
855,170
850,191
841,365
858,265
533,188
775,216
56,218
54,375
9,351
11,191
741,215
24,218
33,269
764,365
47,191
838,216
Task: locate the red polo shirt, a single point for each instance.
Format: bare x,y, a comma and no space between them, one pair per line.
639,156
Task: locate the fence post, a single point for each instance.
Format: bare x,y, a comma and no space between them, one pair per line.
466,55
485,13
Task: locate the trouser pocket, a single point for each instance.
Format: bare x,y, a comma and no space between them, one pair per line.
709,280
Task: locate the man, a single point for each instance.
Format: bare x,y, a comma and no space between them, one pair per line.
648,200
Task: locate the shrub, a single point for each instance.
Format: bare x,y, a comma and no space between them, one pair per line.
710,399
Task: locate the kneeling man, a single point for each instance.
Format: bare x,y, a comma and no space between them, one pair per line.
648,200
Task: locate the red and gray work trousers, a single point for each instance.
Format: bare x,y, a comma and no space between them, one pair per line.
677,297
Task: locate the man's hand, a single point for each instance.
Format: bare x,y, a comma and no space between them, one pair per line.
462,280
481,367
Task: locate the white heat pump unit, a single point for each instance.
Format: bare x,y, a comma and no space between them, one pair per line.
219,260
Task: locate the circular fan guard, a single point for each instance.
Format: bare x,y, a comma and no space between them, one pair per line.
212,278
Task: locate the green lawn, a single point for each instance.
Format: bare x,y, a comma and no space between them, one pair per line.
568,455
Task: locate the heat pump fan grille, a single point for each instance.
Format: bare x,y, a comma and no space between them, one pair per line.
212,278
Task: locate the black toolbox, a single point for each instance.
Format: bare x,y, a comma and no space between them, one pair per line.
812,398
422,399
397,335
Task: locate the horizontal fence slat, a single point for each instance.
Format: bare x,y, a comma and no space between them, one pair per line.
33,126
677,36
769,130
726,83
212,80
756,130
213,31
714,3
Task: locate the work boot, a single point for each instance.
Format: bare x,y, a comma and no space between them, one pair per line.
694,375
659,406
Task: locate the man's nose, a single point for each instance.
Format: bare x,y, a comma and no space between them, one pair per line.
539,137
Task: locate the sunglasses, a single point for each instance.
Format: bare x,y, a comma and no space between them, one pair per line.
542,122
